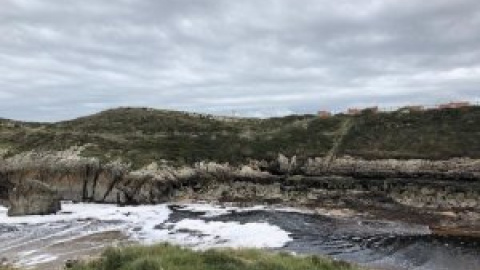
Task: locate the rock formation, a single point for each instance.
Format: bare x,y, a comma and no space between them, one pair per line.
32,197
448,184
453,169
5,187
456,168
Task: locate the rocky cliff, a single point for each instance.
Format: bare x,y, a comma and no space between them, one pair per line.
445,184
82,179
454,169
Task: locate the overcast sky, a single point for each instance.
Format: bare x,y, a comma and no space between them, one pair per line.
62,59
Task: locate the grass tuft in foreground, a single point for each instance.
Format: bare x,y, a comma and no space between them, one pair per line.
7,267
167,257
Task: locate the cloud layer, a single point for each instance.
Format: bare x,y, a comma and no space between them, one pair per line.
61,59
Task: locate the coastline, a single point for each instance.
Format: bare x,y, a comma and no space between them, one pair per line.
444,195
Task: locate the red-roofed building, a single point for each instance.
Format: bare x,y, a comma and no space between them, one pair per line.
354,111
454,105
324,114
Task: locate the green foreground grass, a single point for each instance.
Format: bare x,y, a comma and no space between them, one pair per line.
168,257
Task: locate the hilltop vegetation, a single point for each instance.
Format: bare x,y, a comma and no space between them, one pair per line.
437,134
142,135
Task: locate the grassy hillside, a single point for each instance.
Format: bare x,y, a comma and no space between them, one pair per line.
436,134
145,135
167,257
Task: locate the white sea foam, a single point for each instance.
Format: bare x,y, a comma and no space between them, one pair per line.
231,234
105,212
211,210
145,224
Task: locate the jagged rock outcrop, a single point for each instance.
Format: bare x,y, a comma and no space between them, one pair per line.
32,197
445,184
284,165
155,184
79,179
455,168
74,177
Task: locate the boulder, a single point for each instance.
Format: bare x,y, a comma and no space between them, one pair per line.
281,165
32,197
5,186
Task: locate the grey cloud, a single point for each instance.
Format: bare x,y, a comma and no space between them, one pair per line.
62,59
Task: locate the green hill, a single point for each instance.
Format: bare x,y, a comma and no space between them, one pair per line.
142,135
436,134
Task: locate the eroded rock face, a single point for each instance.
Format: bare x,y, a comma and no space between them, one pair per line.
455,168
5,187
32,197
284,165
418,186
447,184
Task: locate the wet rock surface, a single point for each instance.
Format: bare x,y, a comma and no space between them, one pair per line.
374,243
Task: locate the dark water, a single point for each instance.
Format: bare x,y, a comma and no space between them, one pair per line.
383,245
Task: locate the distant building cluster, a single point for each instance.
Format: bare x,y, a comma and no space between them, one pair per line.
324,114
410,108
454,105
356,111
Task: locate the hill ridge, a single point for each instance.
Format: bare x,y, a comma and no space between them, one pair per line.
144,135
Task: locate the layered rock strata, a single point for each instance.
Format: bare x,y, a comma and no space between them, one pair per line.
452,169
450,184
